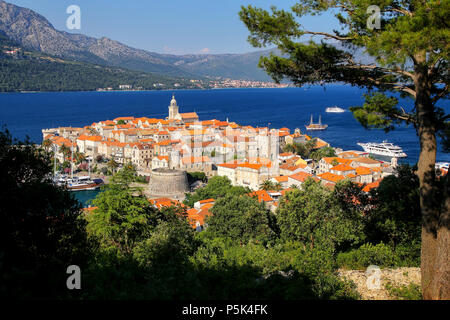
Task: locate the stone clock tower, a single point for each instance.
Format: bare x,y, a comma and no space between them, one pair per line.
173,109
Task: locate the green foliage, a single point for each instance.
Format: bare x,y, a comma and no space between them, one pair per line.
133,251
350,197
122,218
409,292
196,176
378,112
33,71
277,186
240,218
170,243
381,255
284,271
66,164
267,185
41,228
217,187
396,217
445,136
112,165
121,122
304,150
322,152
141,179
312,216
104,171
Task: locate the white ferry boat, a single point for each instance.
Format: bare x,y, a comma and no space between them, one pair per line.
334,109
383,149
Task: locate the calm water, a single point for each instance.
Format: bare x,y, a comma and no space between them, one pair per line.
85,196
27,113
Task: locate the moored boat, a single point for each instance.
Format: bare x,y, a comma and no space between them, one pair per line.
316,126
83,183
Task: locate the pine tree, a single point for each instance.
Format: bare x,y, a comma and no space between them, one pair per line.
411,50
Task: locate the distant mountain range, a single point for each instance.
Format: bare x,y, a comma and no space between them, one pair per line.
34,32
27,70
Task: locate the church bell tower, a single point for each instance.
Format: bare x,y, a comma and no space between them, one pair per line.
173,108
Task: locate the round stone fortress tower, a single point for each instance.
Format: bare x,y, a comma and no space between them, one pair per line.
168,183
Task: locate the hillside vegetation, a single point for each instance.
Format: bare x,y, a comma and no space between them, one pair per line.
33,71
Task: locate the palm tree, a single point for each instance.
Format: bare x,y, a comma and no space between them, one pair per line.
80,157
289,148
267,185
277,186
46,144
112,165
65,150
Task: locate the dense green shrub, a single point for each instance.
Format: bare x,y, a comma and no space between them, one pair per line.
368,254
409,292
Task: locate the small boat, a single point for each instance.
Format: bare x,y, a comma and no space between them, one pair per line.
76,183
59,179
316,126
83,183
334,109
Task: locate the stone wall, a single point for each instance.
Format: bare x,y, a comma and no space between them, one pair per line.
396,277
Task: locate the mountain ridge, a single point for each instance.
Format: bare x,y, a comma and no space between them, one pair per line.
27,70
33,31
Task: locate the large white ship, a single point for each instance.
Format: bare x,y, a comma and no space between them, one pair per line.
334,109
385,148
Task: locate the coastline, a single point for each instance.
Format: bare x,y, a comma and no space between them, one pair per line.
306,87
149,90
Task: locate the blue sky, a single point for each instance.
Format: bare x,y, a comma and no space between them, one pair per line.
167,26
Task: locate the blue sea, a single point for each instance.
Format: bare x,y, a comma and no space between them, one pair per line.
86,196
27,113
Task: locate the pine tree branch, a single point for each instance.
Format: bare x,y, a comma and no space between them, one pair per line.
401,10
441,94
393,85
328,35
387,70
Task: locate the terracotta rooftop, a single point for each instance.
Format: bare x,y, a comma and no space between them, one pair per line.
301,176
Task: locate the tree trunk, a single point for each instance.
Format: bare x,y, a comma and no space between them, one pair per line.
435,228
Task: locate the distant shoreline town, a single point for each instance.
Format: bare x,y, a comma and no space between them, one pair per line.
200,84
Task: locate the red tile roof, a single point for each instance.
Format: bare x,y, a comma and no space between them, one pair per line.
330,177
199,215
301,176
188,160
262,195
342,167
361,171
165,202
371,186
